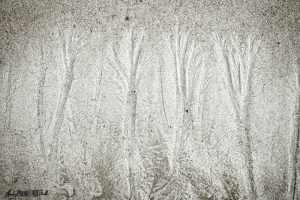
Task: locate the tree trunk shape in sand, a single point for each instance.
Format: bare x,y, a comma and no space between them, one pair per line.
40,101
238,66
70,50
189,74
129,73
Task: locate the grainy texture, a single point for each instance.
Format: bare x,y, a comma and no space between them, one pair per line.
150,99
